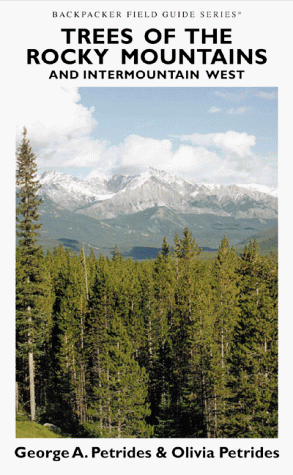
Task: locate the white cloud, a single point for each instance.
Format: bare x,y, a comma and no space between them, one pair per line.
233,97
58,127
196,163
235,142
238,111
214,110
76,152
137,150
267,95
138,153
237,97
53,114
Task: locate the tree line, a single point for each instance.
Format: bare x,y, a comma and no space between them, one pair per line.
171,347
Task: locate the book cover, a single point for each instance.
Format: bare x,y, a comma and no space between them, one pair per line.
150,141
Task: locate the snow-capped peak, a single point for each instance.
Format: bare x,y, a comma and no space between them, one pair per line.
260,188
124,194
52,175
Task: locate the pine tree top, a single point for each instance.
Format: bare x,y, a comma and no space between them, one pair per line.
27,210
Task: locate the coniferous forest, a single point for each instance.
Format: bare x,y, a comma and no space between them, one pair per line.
173,347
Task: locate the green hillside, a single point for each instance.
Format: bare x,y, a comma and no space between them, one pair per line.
31,430
140,235
267,241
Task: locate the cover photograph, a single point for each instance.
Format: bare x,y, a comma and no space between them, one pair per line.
147,199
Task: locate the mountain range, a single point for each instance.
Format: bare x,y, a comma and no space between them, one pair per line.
121,195
136,212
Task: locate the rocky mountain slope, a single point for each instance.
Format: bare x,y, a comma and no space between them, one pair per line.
137,212
123,195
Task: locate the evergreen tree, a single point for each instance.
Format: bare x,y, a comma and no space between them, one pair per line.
226,311
165,249
118,405
153,330
186,248
254,364
116,255
71,323
182,321
164,293
129,302
201,377
30,313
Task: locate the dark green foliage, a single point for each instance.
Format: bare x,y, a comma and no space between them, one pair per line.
27,209
33,286
225,317
174,347
117,407
254,352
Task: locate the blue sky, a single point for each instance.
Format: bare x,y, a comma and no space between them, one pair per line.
161,112
223,135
